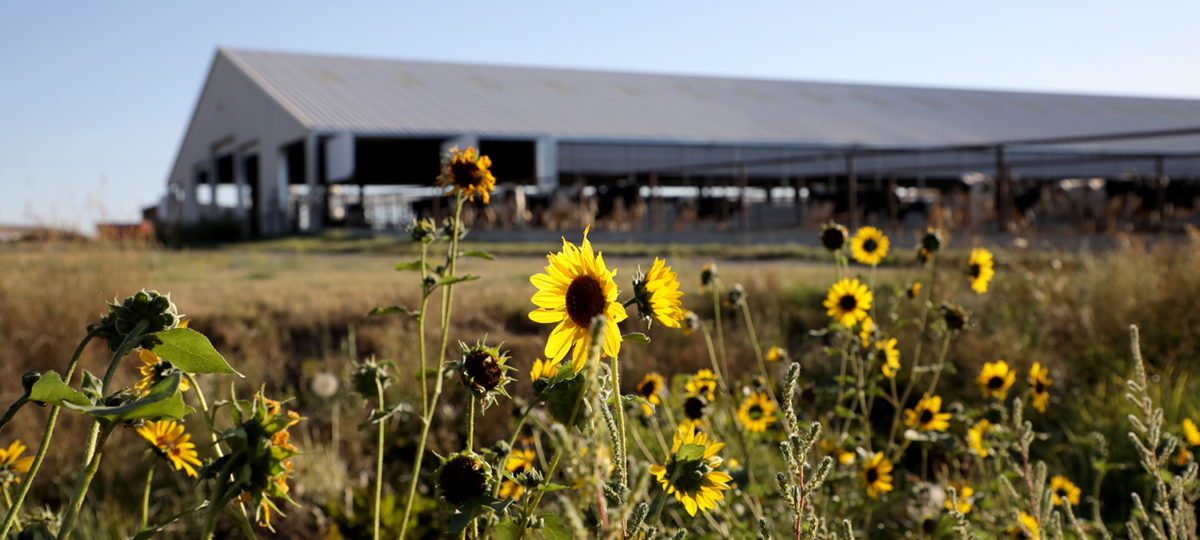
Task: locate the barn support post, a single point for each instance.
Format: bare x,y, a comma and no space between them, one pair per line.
743,202
239,180
852,186
656,211
1003,201
214,179
798,202
893,211
1160,186
316,195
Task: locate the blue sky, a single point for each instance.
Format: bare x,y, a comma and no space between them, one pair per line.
95,96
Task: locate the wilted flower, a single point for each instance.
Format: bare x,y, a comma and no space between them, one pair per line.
466,172
463,476
833,236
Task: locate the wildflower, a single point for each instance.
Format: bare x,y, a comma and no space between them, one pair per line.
757,412
877,475
703,383
1183,457
543,370
931,241
466,172
576,287
11,464
155,369
737,296
648,389
1040,381
776,353
926,416
869,246
169,439
261,454
867,329
923,256
975,437
1190,433
1064,490
848,302
995,379
691,322
462,477
963,504
323,384
691,471
955,317
913,290
518,462
484,371
694,407
980,269
657,295
1025,529
846,457
890,357
833,236
708,275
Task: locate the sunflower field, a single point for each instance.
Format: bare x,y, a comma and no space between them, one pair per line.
930,390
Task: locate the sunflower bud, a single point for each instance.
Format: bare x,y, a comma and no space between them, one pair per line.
448,229
737,295
424,231
365,376
156,310
955,317
462,477
708,275
931,242
833,236
484,371
691,322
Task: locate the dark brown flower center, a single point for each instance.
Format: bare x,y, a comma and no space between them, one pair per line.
462,478
464,173
995,382
926,416
872,475
483,369
833,238
647,388
585,299
1039,387
848,302
870,245
974,271
755,412
694,408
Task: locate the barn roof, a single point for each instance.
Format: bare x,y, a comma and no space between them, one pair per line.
402,97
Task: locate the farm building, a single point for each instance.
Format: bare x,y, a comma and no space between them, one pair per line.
280,143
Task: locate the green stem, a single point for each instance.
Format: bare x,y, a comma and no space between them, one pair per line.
471,425
132,339
378,460
208,420
8,504
427,420
421,328
622,461
716,297
85,481
146,496
758,354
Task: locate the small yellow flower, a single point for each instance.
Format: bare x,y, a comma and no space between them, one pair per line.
543,370
848,302
975,437
170,440
1039,379
776,353
964,500
467,172
926,416
657,294
703,383
890,355
869,246
980,269
1025,529
866,331
691,322
155,369
691,471
576,287
1064,489
12,464
757,413
877,475
1190,433
914,290
846,457
518,461
995,379
649,388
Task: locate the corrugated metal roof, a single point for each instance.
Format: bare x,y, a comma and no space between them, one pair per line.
368,95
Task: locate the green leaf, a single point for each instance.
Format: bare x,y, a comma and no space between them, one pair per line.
415,265
636,337
690,452
551,487
450,280
843,412
163,401
506,530
189,351
478,254
51,389
393,309
557,528
430,374
92,386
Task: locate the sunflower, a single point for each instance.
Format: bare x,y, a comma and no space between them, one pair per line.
866,330
975,437
657,295
995,379
651,384
869,246
708,274
926,416
691,471
575,288
155,369
833,236
1040,381
846,457
463,476
467,172
1190,433
890,356
691,322
1064,490
11,464
979,268
694,407
543,370
169,439
757,412
848,301
703,383
913,290
877,475
519,461
776,353
963,503
1025,529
